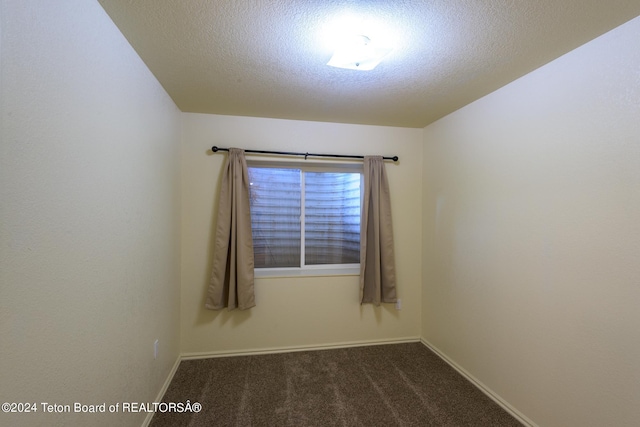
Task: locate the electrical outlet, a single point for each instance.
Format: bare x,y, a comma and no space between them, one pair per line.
398,304
155,349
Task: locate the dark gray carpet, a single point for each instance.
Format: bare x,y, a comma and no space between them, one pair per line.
383,385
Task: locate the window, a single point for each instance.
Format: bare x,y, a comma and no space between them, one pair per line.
305,219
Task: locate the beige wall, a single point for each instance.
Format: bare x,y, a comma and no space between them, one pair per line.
532,237
295,312
89,237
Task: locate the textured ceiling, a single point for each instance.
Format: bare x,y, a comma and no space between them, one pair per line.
268,58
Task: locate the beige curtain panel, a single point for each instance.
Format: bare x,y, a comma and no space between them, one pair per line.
232,276
377,259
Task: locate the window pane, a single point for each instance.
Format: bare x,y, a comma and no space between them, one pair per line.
275,216
332,218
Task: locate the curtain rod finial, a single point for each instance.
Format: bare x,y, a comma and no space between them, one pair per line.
214,149
395,158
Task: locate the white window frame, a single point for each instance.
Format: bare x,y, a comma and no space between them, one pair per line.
310,270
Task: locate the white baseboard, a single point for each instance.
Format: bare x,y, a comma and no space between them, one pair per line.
274,350
483,388
163,390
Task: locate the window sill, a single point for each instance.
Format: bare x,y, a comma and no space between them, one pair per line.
309,271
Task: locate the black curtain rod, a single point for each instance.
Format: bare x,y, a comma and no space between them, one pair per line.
289,153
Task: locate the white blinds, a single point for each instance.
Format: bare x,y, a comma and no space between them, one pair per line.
275,216
332,218
325,229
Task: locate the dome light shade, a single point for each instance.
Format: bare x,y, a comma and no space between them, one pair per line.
358,53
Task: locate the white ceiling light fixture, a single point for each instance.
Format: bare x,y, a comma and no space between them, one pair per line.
358,52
